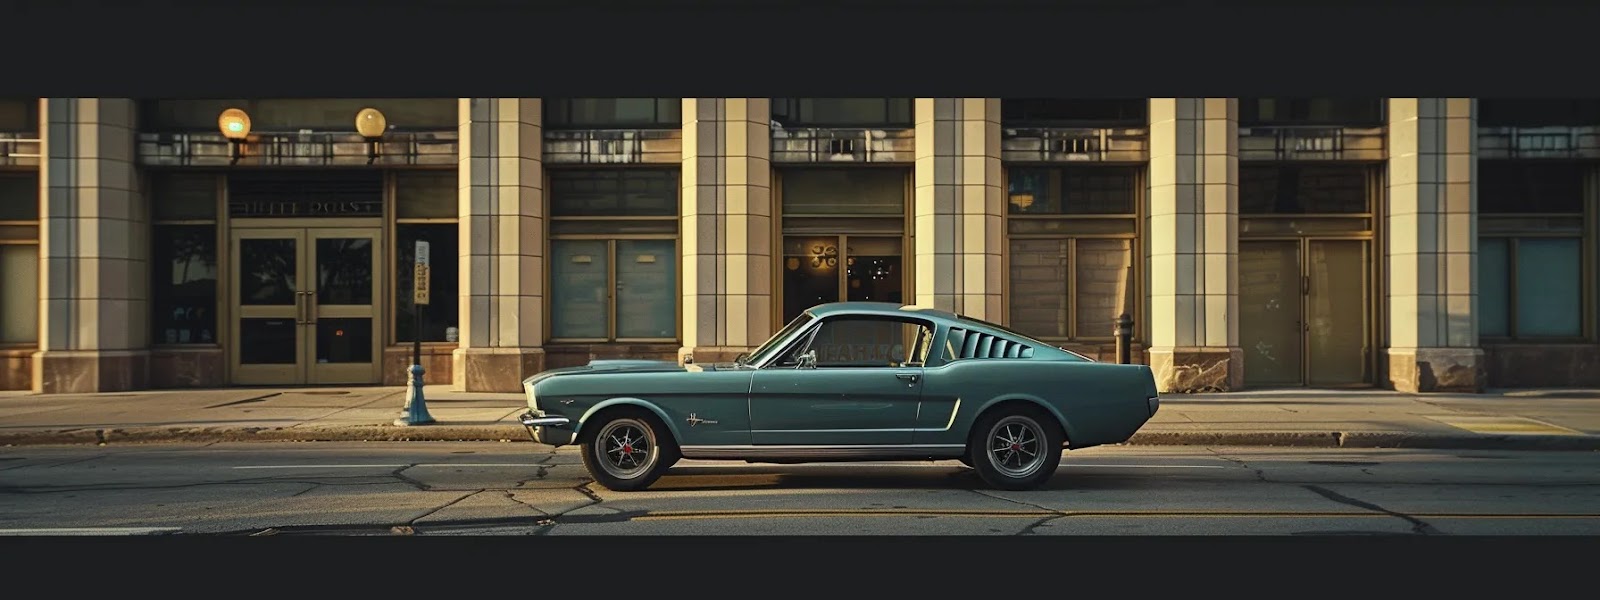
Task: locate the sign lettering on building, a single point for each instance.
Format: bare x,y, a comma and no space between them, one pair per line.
305,208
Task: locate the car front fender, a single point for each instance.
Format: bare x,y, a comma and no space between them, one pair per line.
672,428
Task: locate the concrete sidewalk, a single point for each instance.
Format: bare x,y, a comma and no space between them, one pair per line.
1513,419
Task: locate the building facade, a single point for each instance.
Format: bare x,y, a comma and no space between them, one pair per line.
1419,244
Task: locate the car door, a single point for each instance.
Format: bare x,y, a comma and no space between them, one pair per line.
855,381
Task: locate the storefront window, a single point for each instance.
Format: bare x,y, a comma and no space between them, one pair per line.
614,255
1071,249
426,203
19,258
1530,251
183,258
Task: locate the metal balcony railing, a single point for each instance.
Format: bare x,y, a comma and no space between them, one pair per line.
613,146
834,145
299,149
20,149
1299,142
1075,144
1539,142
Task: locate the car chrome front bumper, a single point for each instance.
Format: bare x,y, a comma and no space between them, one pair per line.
547,429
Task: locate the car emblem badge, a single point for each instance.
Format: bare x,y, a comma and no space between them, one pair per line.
569,400
696,420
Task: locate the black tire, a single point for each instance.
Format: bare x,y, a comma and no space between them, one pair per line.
634,467
1015,429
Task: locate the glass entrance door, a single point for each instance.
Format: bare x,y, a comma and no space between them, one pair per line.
306,306
1304,317
818,269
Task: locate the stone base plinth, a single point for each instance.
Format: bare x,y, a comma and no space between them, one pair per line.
1423,370
90,371
1197,370
494,369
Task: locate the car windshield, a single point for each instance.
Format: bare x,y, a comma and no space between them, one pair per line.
771,346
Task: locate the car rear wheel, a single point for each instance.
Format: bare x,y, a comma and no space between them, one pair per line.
1015,448
628,451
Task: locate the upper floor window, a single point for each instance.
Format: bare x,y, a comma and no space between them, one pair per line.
842,112
1334,112
1538,112
290,115
610,113
1075,112
19,115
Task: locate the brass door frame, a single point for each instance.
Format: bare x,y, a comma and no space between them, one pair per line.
305,310
344,373
1304,307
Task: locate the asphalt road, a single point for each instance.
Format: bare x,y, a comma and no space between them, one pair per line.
422,488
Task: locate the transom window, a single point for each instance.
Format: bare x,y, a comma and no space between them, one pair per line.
1335,112
1075,112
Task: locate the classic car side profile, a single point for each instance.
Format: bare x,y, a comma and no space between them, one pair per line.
848,381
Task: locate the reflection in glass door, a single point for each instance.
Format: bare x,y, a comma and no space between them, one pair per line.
818,269
267,338
306,306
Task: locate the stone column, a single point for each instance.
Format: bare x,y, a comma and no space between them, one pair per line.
1193,235
93,247
502,244
1433,242
959,210
727,226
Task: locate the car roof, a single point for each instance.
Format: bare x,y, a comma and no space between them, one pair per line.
878,308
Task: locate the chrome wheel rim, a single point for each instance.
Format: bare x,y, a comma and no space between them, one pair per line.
1016,446
626,448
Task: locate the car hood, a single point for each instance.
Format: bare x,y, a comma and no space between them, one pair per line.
627,366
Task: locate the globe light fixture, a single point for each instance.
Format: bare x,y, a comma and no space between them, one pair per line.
235,125
371,124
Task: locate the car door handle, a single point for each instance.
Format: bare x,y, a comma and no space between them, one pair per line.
908,377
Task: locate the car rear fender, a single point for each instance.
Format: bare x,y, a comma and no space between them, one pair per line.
1061,419
625,401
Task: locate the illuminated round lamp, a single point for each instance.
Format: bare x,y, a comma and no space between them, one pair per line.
371,123
234,123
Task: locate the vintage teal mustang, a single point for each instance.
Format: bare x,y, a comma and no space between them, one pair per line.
850,381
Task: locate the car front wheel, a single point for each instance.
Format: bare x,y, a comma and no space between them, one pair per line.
628,451
1016,448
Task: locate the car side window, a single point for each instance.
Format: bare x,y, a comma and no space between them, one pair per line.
867,342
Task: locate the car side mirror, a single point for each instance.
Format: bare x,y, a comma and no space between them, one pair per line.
807,360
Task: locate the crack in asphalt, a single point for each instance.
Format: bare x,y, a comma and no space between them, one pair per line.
1418,526
1260,474
1029,530
399,473
413,522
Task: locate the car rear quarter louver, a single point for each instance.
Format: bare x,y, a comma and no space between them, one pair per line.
976,344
